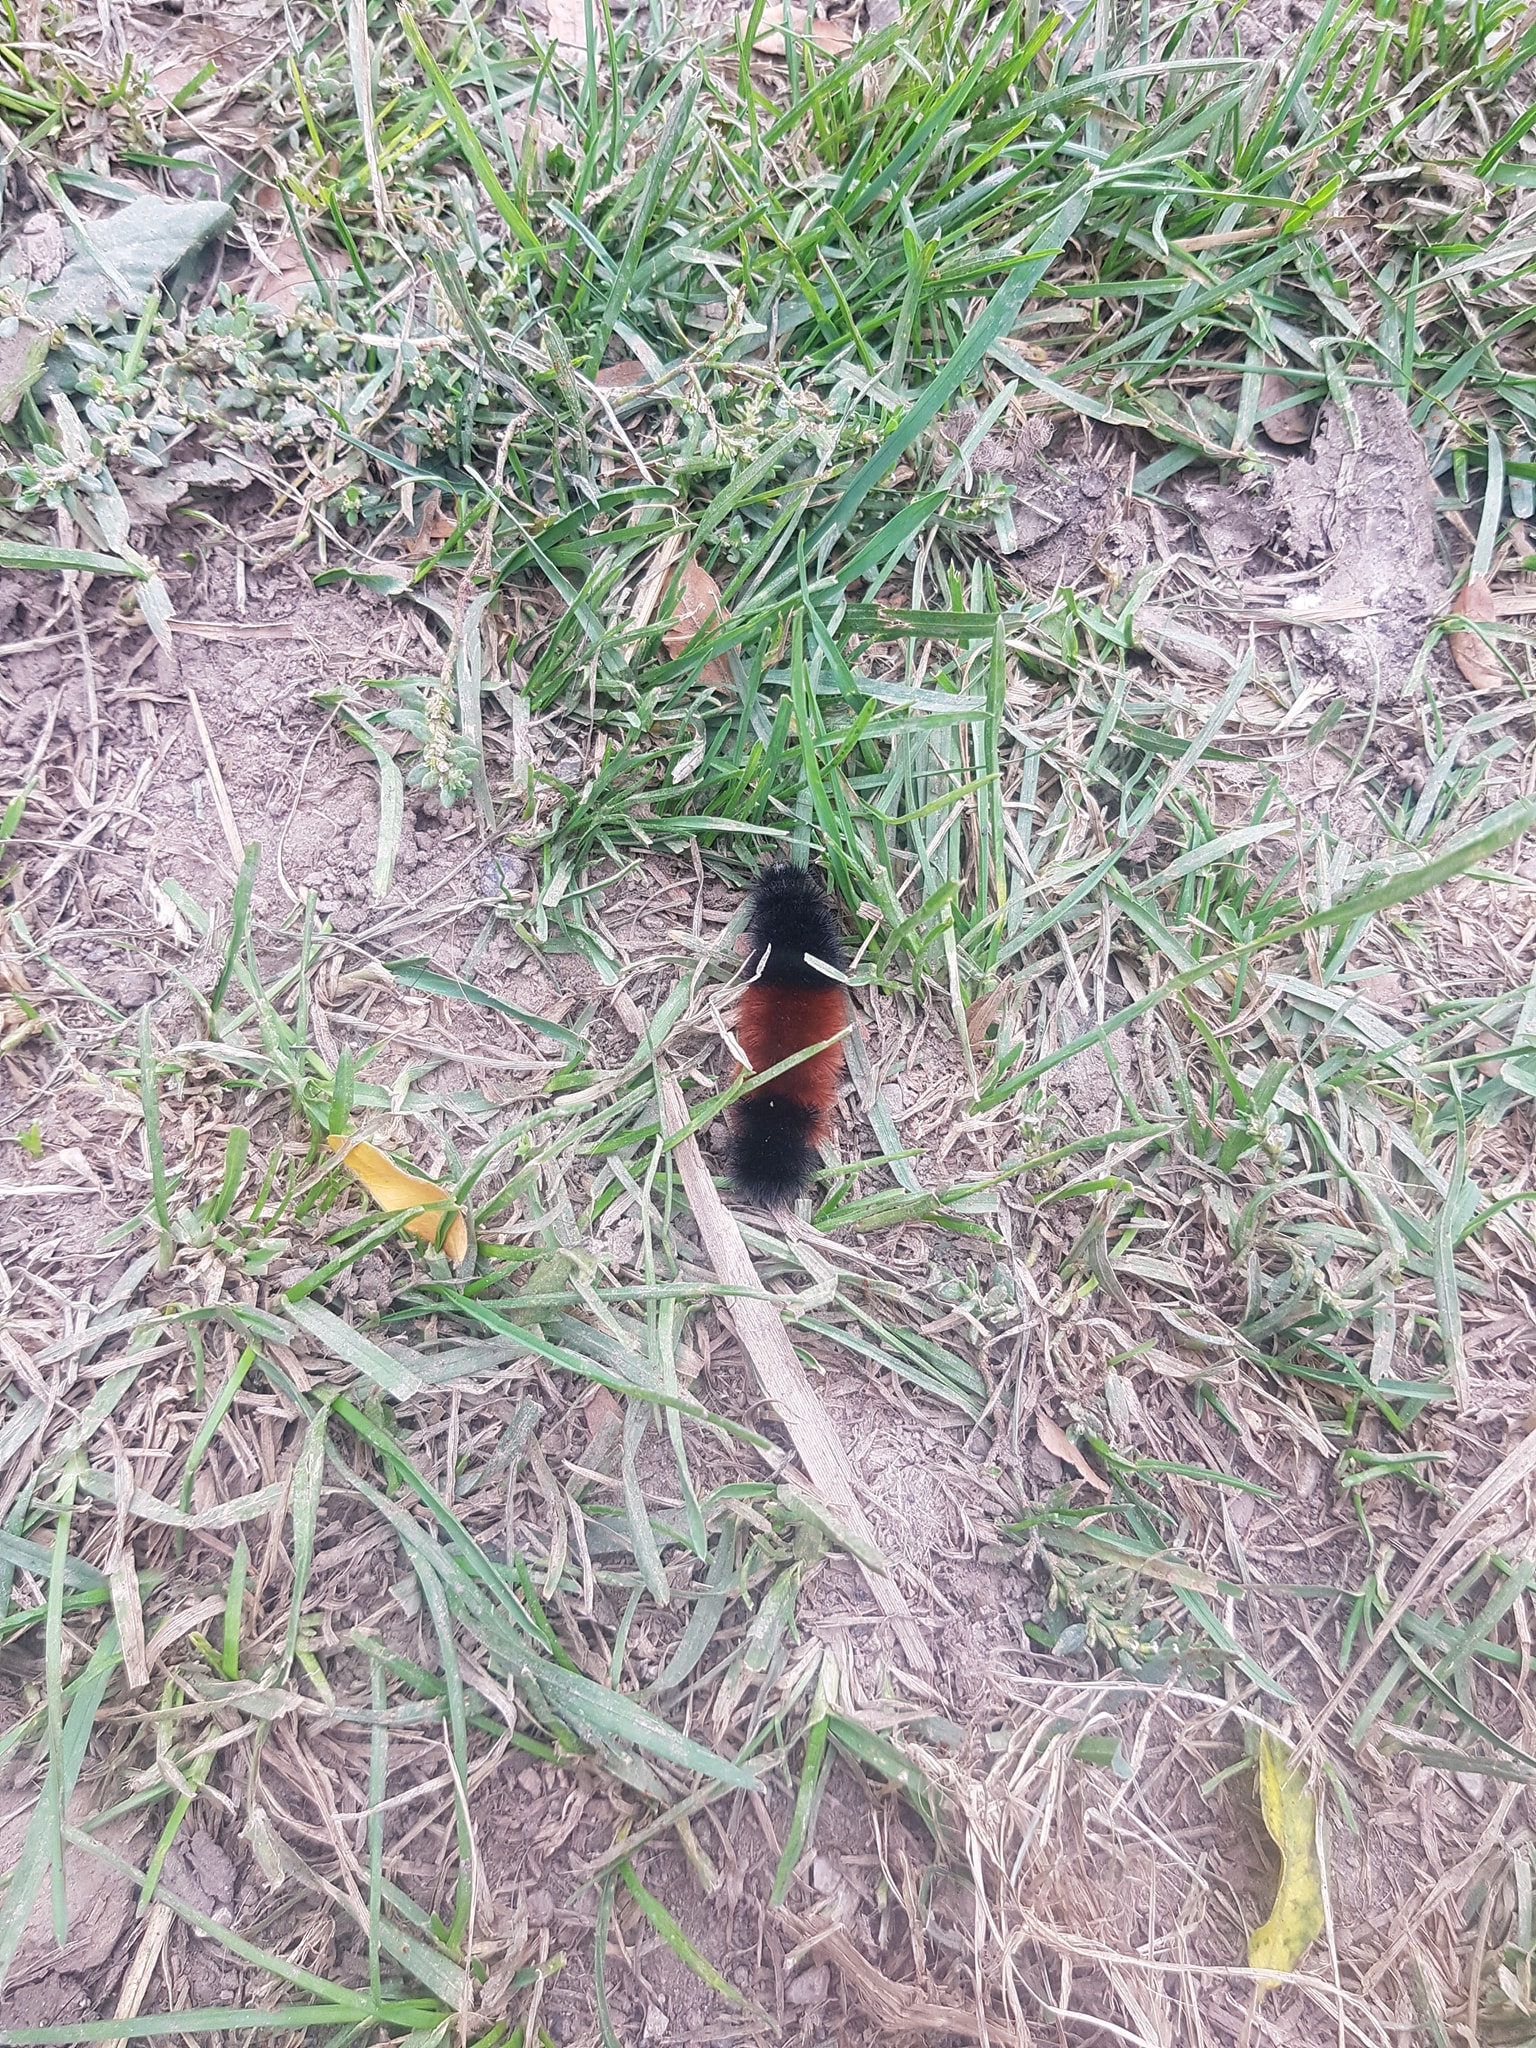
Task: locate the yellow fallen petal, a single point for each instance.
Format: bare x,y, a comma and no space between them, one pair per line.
1290,1814
393,1188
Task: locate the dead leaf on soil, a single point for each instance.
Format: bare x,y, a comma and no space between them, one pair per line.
99,1901
13,974
394,1189
284,274
622,376
1472,655
895,2007
568,27
1290,1814
696,608
1282,415
601,1412
151,497
1174,642
980,1016
171,79
1060,1445
830,36
22,356
439,524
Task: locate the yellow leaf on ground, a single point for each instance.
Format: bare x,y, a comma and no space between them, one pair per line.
1290,1814
1472,655
393,1189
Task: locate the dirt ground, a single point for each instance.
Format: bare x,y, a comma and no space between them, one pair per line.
1119,1889
161,758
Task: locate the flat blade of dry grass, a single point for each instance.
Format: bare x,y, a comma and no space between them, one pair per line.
763,1338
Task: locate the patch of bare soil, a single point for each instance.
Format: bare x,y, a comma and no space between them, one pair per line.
148,780
1358,511
1057,495
41,1990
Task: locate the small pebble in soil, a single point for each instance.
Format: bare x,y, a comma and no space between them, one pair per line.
506,875
133,986
810,1987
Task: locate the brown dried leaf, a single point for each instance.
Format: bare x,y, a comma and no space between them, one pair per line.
623,376
284,274
1060,1445
1282,415
170,79
1474,657
602,1414
830,36
13,973
98,1897
394,1189
437,525
568,27
979,1017
896,2008
697,607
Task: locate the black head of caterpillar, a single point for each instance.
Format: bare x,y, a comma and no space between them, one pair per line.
792,916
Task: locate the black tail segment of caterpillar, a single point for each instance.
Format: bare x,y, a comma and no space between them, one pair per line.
790,1005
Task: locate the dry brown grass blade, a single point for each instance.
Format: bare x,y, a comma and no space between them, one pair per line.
1440,1565
239,631
216,783
146,1960
1471,654
654,582
897,2008
779,1371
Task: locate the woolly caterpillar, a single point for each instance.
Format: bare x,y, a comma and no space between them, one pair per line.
790,1005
